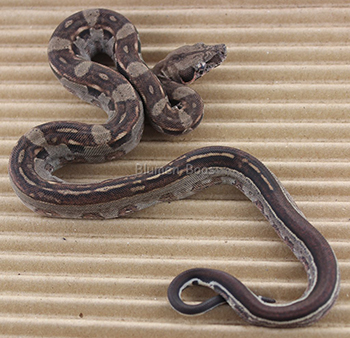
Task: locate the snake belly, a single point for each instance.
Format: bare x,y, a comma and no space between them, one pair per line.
125,93
235,167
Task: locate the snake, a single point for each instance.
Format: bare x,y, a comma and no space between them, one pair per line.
128,91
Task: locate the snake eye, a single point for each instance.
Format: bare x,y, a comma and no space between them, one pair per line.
201,67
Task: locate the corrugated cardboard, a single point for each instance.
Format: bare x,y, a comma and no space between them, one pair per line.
283,95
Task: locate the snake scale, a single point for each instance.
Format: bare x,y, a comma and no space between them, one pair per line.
125,94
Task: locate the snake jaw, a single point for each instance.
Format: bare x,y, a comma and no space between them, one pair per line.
214,57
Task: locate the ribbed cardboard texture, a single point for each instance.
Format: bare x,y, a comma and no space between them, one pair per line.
283,95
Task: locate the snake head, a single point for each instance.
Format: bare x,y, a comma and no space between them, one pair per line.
188,63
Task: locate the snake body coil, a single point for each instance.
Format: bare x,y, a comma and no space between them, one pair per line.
174,109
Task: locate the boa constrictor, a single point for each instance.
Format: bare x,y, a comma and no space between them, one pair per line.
172,108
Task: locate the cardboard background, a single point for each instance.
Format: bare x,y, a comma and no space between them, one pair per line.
282,95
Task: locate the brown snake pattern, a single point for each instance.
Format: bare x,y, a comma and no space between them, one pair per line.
124,93
173,108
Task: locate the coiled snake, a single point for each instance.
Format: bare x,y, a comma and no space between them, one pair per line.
171,108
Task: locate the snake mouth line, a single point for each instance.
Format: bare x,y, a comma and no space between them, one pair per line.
218,57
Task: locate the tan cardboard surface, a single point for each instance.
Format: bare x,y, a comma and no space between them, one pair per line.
283,95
